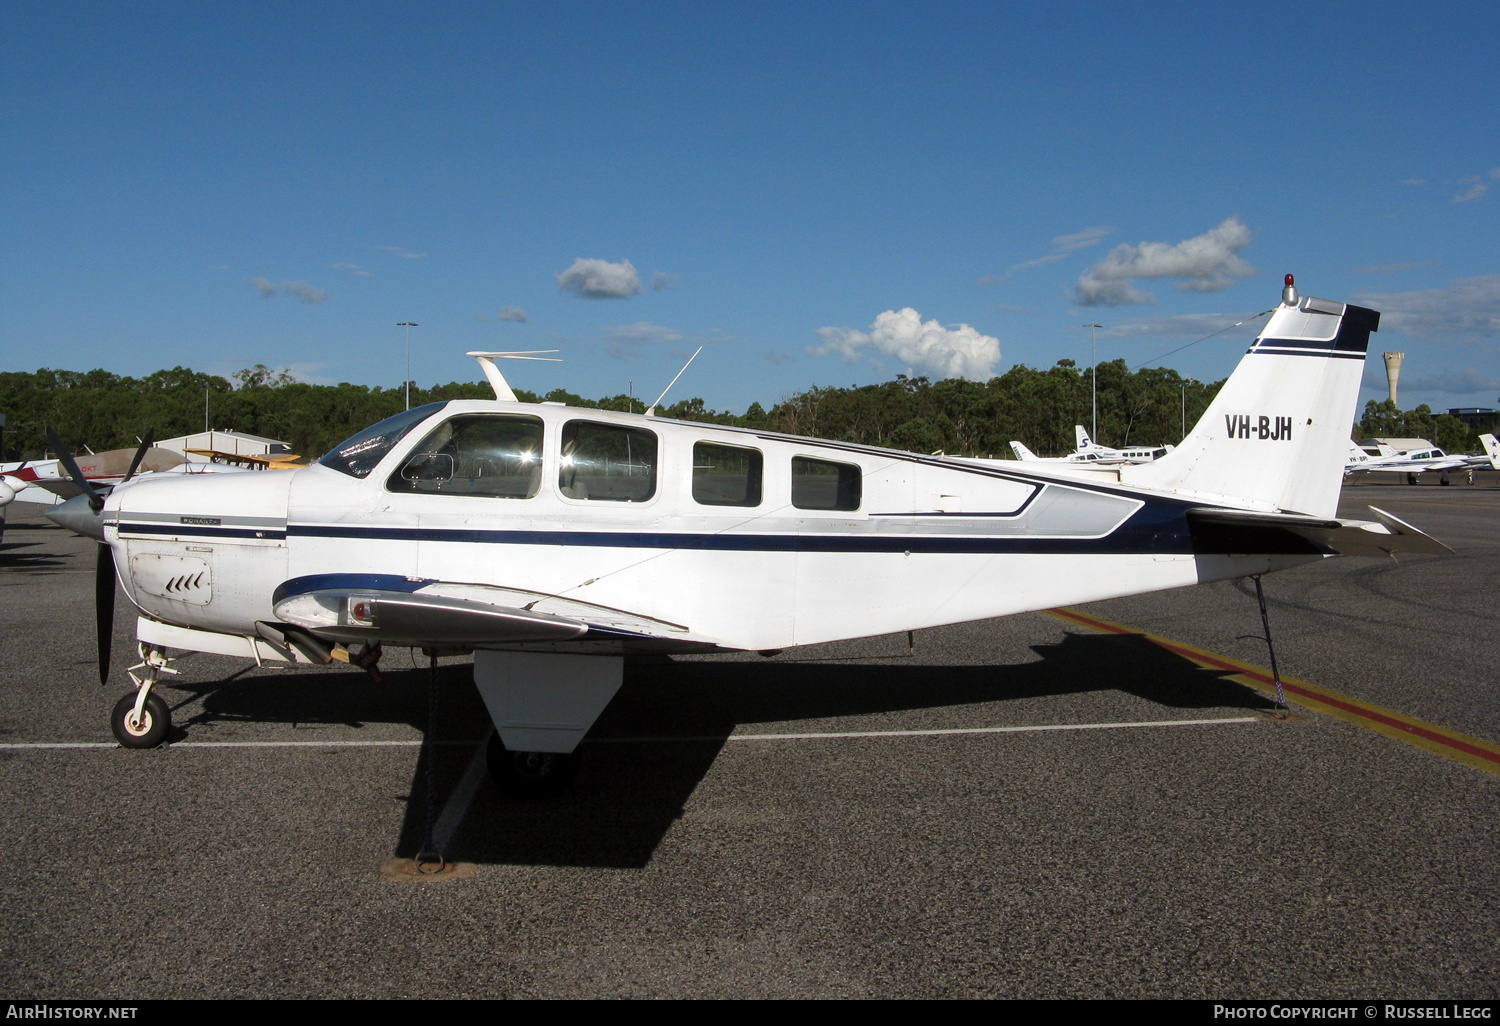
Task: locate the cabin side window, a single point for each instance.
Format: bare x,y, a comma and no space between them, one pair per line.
607,462
480,454
824,484
726,475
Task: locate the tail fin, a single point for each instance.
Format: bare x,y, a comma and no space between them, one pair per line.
1492,447
1083,438
1276,437
1023,453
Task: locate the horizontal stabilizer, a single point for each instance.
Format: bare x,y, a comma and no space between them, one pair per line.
1380,537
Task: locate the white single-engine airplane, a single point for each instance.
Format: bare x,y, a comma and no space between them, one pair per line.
552,541
1090,452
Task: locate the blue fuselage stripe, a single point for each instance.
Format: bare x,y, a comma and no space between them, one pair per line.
1130,538
197,531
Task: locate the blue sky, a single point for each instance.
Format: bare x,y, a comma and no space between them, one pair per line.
818,193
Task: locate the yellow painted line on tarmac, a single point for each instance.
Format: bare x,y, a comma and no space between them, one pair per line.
1471,751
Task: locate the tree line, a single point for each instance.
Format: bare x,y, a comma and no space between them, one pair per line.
102,411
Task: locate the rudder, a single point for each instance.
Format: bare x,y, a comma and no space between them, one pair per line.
1276,437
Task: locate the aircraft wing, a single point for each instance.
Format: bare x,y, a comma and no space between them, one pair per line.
1381,537
400,610
62,487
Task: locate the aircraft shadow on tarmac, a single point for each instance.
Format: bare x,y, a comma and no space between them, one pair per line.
628,795
16,539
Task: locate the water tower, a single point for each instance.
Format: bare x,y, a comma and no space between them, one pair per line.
1393,371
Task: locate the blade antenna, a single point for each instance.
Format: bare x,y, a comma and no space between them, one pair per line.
497,380
651,410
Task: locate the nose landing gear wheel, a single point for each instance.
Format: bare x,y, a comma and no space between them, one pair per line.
147,732
527,775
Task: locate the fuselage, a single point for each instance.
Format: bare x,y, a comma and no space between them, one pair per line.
725,536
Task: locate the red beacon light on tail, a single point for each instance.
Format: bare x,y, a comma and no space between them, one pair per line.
1289,293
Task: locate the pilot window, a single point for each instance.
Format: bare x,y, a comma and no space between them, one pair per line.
726,475
823,484
357,456
480,454
607,462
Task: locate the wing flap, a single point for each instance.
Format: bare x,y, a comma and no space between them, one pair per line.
404,618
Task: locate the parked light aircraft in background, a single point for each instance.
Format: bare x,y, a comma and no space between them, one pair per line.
552,542
37,488
1089,452
1414,461
32,488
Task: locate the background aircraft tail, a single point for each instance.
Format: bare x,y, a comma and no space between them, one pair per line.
1023,453
1082,436
1492,447
1276,437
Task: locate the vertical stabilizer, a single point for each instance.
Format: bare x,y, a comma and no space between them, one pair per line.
1492,449
1276,437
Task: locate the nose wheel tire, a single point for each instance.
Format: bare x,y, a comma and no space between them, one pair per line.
147,732
528,775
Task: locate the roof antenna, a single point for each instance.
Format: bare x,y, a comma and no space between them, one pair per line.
497,380
651,410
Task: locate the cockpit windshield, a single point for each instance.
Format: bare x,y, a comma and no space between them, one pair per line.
358,455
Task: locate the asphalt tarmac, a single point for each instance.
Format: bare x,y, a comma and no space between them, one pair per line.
1216,853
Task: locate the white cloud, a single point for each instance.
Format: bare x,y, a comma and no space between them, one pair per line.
1412,181
1083,239
1395,268
512,313
630,339
301,289
662,280
1465,382
1183,326
1206,263
1475,189
600,279
405,254
959,352
1062,247
779,358
1468,308
353,269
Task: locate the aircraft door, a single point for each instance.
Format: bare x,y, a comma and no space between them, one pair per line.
471,481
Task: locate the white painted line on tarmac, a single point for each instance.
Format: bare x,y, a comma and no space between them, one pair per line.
478,758
43,745
918,733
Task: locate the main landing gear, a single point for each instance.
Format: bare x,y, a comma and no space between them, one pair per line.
140,718
527,775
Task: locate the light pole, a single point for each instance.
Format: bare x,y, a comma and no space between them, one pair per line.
1094,373
408,325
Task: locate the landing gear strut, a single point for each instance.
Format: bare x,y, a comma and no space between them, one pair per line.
140,718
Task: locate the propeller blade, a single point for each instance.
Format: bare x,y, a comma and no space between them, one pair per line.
140,454
104,607
96,501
